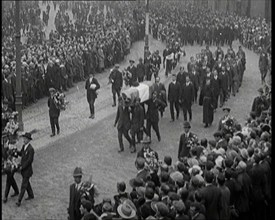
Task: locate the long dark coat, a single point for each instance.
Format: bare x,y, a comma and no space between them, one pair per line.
74,203
54,112
26,161
207,98
91,94
137,119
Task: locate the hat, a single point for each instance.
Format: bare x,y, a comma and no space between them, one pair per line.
195,168
228,162
186,124
173,196
220,151
244,153
195,181
179,205
202,160
236,140
140,191
51,90
212,143
218,161
126,211
27,135
77,172
241,165
260,90
217,134
160,207
226,109
86,204
131,61
107,207
116,65
136,182
192,161
176,176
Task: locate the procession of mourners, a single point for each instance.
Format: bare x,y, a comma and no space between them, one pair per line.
227,177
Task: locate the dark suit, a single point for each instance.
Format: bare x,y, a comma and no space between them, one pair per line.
117,82
211,195
152,117
186,98
173,98
223,87
184,150
146,210
140,72
74,203
259,104
54,113
91,93
143,174
137,123
215,85
26,170
196,82
123,124
259,193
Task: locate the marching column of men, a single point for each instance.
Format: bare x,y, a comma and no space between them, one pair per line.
210,80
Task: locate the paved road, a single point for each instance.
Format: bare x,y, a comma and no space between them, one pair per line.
93,145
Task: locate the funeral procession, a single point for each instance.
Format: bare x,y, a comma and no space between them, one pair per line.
136,109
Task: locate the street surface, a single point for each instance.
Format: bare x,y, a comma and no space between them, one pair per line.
93,144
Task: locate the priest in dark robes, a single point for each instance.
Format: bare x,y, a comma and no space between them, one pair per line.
206,100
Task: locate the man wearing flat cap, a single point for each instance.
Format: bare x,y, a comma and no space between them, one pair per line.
27,154
75,195
185,139
117,81
259,103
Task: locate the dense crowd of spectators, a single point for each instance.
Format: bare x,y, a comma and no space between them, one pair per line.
201,25
227,177
73,51
97,43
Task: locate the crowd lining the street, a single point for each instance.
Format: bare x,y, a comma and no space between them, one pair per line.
228,177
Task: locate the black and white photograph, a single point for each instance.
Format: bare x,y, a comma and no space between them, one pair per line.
136,109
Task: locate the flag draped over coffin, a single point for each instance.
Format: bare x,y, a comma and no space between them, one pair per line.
143,91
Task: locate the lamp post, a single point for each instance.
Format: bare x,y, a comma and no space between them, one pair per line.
18,96
146,47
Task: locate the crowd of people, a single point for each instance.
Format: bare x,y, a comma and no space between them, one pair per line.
227,177
72,54
192,24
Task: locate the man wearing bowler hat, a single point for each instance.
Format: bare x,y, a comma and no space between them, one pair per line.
185,138
27,154
75,195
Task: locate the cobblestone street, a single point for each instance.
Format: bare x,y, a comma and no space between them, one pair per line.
93,144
